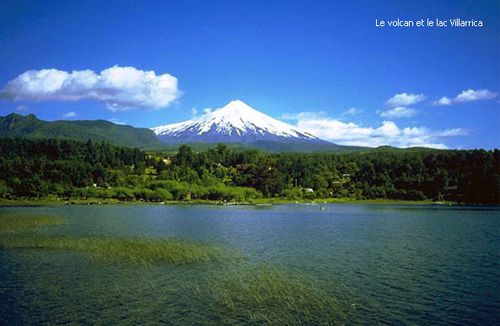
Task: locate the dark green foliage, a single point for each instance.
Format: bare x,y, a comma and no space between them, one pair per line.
15,125
270,146
471,176
36,168
72,169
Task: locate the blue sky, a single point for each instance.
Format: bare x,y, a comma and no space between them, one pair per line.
321,65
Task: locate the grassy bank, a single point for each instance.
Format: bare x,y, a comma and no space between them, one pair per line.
260,201
341,201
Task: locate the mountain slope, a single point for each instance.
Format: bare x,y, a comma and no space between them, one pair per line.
236,123
15,125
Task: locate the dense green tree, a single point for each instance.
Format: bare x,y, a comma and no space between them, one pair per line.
38,168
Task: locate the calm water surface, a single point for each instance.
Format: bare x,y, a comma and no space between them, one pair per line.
385,264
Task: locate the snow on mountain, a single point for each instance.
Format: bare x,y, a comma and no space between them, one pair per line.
235,122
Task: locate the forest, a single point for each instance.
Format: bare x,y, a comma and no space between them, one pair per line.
69,169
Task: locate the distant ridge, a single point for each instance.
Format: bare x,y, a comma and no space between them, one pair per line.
29,126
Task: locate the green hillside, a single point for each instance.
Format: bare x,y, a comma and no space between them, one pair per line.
29,126
282,147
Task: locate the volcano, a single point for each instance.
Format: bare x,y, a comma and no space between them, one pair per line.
237,122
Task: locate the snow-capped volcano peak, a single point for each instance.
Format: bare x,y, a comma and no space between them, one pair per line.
235,122
236,108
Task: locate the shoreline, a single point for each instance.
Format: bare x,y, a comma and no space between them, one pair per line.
258,202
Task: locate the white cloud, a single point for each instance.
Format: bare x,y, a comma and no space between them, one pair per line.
388,133
472,95
194,111
207,111
21,108
453,132
443,101
468,95
117,121
288,116
405,99
399,112
120,88
70,114
307,115
318,114
352,111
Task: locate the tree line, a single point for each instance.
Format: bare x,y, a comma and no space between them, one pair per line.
72,169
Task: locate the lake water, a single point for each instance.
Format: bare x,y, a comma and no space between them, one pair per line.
384,264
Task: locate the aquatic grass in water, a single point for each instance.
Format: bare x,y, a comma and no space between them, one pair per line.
244,294
121,250
125,250
18,223
268,295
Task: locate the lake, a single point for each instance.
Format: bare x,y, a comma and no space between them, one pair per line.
382,264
